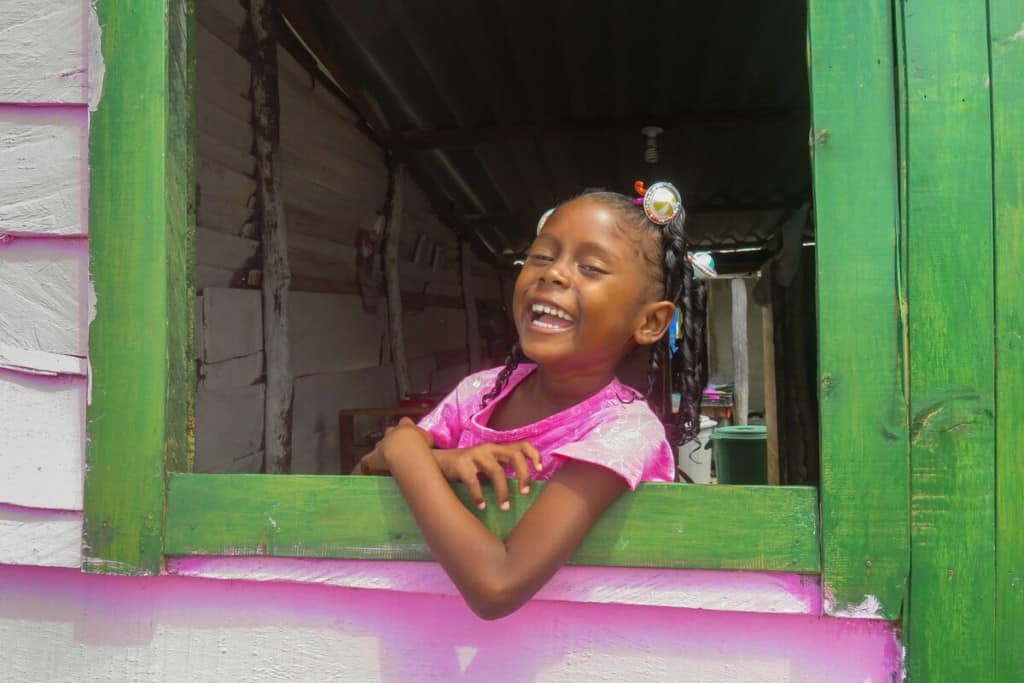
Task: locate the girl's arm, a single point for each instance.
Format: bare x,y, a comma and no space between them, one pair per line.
496,577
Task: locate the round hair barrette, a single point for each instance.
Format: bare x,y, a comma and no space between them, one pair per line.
544,219
661,201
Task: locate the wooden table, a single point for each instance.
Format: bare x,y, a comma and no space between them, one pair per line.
347,455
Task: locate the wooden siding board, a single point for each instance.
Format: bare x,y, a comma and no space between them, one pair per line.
1006,23
40,538
232,323
42,157
141,226
42,53
863,406
44,285
950,286
318,398
42,443
229,429
366,518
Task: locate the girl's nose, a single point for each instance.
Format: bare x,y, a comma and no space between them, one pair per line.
554,275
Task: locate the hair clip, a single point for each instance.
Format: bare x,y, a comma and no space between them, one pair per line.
544,219
661,201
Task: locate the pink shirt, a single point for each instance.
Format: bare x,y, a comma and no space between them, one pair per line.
614,428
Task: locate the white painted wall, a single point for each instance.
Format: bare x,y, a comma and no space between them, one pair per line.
49,69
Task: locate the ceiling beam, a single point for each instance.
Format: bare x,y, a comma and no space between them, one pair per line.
303,19
442,138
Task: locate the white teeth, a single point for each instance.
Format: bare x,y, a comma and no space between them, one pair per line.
549,310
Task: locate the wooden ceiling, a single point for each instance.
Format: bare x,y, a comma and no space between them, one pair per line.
503,108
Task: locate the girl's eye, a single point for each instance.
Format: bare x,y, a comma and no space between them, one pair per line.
539,258
591,269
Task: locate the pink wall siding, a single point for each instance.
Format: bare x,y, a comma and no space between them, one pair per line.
59,624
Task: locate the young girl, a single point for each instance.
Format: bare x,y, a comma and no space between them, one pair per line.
603,276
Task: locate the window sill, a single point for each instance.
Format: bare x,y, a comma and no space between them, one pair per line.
663,526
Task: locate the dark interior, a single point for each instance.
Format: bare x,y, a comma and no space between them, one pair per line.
503,108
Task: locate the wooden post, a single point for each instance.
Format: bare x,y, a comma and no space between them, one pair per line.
266,108
771,420
469,300
739,350
391,239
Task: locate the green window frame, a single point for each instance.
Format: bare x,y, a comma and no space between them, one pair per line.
142,504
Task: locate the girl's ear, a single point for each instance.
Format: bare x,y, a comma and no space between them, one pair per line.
654,321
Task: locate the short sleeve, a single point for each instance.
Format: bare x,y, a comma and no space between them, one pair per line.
449,417
629,440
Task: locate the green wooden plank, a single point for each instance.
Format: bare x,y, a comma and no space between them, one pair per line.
950,286
1006,21
864,426
140,225
661,525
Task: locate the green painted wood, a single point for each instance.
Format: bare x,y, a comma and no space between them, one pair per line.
950,285
864,426
140,232
1006,21
661,525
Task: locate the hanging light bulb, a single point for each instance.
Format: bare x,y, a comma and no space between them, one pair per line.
651,151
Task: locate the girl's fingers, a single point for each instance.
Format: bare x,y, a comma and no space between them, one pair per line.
492,468
532,453
468,475
517,460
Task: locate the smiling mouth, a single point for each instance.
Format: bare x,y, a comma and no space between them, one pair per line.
549,318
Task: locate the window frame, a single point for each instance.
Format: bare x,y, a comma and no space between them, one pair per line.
142,504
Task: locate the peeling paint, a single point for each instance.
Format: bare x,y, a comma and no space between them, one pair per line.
1019,35
869,608
96,67
36,362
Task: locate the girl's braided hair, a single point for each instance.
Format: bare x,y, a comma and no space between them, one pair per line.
676,284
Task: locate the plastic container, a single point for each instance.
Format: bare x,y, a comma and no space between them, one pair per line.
741,454
694,456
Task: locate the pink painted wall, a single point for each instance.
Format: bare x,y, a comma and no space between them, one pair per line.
60,624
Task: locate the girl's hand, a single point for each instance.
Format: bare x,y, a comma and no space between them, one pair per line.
374,462
468,464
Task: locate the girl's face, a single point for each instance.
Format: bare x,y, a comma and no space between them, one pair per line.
583,299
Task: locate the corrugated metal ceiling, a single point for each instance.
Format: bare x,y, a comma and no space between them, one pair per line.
510,106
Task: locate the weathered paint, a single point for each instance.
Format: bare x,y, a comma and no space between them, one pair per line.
42,440
43,307
865,539
1007,63
43,170
951,634
57,624
40,538
43,51
697,589
659,525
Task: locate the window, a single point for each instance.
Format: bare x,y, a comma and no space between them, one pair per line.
142,502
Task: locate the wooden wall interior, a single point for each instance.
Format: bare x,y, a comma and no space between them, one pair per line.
335,184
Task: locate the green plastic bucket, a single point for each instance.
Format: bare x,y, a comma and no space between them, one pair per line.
741,454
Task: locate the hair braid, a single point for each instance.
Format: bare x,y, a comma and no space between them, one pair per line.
694,350
512,361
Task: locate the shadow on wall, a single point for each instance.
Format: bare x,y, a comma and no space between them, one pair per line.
63,625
